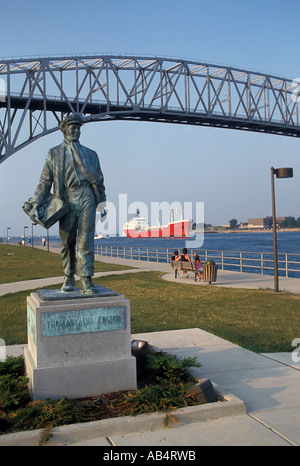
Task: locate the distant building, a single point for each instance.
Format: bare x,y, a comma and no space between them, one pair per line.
265,222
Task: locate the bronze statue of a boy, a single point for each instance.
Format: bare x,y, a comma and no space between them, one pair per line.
77,179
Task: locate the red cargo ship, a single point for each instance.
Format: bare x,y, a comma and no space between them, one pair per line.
138,227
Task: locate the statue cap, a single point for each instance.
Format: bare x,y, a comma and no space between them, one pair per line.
73,119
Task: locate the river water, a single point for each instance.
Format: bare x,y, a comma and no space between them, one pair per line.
288,246
287,242
252,244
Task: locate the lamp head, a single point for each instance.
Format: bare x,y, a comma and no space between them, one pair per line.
283,172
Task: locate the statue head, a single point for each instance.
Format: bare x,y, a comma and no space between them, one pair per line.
70,126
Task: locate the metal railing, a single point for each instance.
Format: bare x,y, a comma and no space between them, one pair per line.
240,261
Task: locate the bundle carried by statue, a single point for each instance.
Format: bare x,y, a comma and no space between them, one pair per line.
49,213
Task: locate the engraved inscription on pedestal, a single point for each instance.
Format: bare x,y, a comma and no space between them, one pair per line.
83,321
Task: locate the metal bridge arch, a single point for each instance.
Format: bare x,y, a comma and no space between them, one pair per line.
36,94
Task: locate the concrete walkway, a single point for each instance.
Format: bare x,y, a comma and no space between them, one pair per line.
264,388
267,385
6,288
225,278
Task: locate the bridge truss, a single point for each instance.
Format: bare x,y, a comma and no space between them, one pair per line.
36,94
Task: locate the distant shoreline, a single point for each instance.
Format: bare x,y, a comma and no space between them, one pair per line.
256,230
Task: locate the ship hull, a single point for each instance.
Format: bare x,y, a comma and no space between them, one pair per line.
178,229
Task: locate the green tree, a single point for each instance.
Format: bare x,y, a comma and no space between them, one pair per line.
233,223
290,222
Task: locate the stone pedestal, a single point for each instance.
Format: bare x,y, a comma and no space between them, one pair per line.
78,345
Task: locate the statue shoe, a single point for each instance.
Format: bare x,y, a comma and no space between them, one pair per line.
68,284
87,286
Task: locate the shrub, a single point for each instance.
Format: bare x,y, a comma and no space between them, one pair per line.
170,378
168,367
168,375
12,365
13,392
46,413
164,397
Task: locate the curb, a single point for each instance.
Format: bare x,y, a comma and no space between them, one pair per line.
229,405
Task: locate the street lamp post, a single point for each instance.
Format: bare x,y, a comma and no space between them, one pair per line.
32,225
8,228
24,236
279,173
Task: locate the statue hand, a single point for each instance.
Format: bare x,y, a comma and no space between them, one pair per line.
34,213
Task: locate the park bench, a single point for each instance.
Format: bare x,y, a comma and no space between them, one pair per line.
183,265
209,271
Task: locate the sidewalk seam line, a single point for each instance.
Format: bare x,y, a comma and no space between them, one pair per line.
273,430
280,362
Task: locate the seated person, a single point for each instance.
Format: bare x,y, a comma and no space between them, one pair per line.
184,258
199,268
175,255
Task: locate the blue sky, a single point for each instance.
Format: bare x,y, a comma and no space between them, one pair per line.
228,170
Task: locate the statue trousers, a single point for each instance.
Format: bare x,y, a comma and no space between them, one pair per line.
79,224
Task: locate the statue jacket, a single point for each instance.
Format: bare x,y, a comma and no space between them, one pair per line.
53,174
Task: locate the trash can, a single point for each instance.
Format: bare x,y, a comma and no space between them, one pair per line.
210,271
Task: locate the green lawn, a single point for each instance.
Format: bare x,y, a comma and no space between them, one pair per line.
259,320
19,263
